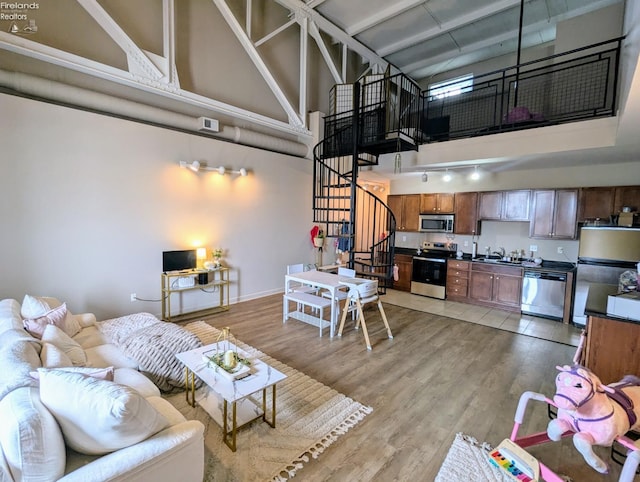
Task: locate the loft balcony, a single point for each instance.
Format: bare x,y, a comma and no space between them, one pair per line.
393,115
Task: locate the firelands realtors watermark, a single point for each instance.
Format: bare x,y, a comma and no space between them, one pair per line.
17,14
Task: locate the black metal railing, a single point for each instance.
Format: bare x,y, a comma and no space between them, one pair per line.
389,116
359,222
574,85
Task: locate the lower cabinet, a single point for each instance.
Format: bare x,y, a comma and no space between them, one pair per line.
458,279
608,347
496,286
405,266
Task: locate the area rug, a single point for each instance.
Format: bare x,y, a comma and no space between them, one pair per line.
310,417
468,460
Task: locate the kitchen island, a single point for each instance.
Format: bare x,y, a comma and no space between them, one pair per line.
612,344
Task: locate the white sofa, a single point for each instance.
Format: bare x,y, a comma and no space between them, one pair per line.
38,425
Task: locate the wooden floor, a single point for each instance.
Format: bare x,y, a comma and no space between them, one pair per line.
436,377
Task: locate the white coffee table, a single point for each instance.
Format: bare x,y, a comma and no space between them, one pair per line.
220,390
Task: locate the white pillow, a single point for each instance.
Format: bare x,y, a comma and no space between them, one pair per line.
54,335
33,307
53,357
31,440
97,416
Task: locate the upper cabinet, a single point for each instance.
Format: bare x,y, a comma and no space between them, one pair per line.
554,214
437,203
596,203
406,209
466,212
626,196
504,205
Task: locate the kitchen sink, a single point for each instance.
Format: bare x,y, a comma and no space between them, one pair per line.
499,261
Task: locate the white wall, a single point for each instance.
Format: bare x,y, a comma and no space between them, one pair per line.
90,202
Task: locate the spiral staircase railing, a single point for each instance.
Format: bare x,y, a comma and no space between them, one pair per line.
358,222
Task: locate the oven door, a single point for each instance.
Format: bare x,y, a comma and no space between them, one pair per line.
429,277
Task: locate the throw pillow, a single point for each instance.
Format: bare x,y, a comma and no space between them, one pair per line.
53,357
33,307
56,316
99,373
31,440
54,335
97,416
36,307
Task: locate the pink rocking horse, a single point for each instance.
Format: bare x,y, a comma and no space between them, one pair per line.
597,413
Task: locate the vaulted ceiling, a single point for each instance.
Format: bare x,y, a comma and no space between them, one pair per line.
166,53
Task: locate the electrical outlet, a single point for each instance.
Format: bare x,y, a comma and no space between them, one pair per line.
560,250
466,244
533,248
404,238
134,297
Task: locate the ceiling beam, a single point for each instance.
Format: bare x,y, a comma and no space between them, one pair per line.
246,43
300,8
315,33
396,8
457,22
44,53
138,61
169,40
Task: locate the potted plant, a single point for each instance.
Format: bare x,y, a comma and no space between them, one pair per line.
318,240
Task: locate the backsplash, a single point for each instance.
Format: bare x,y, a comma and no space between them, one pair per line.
496,234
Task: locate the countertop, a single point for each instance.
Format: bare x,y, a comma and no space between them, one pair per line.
558,266
597,302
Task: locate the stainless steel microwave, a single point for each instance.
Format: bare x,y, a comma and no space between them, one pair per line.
436,223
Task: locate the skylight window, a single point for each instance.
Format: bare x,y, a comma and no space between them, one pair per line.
450,87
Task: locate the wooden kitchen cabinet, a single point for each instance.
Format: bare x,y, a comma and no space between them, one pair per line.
466,212
626,196
405,267
608,347
554,214
496,286
458,279
437,203
406,209
504,205
596,203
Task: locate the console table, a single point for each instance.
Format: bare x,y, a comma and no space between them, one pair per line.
216,286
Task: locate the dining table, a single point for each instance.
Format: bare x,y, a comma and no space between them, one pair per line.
321,280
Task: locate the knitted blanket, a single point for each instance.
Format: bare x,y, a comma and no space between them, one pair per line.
154,347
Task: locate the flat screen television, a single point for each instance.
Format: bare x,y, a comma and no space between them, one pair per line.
179,260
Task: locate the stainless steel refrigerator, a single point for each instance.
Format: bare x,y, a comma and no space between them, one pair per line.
604,253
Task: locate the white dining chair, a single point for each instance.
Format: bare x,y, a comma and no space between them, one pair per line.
360,293
341,294
299,287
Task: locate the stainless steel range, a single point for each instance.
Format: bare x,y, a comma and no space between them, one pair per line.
429,273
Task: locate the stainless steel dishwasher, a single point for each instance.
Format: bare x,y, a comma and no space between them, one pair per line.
543,293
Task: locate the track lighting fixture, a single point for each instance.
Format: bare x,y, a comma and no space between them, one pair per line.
425,176
197,166
475,175
447,176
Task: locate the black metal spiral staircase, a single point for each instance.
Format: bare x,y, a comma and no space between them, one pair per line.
362,223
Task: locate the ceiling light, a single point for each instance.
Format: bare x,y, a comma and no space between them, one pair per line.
194,166
475,175
425,176
243,172
221,170
447,176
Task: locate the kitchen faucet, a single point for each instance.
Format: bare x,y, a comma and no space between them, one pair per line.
500,253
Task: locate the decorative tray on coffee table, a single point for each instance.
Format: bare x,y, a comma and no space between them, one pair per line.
216,359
